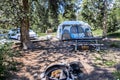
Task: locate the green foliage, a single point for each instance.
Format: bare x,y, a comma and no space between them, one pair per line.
10,13
6,60
69,12
116,74
114,19
97,58
42,14
115,34
91,13
48,14
109,63
116,45
97,32
41,34
95,12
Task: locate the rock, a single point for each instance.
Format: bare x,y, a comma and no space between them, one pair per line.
35,75
36,67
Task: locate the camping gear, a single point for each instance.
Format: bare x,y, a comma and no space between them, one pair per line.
73,30
81,33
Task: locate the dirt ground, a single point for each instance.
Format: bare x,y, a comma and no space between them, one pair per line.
98,65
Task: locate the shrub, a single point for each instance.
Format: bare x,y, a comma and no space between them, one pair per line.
114,45
6,59
116,74
109,63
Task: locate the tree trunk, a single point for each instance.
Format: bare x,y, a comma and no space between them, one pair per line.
105,26
105,19
26,43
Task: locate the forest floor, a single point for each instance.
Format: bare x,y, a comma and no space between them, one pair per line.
98,65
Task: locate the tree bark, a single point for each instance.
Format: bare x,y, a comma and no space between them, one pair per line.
24,29
105,19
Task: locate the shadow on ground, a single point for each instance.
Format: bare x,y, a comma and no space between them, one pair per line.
52,52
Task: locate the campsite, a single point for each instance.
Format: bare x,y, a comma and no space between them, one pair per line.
59,40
